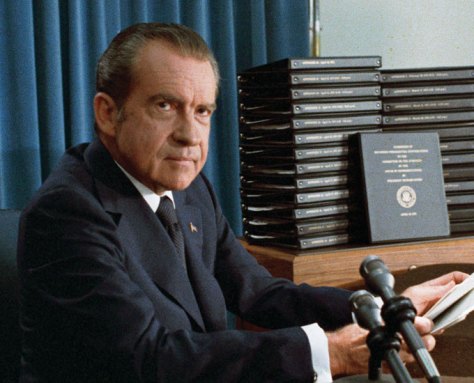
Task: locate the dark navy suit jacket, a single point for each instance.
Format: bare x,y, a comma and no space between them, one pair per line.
104,298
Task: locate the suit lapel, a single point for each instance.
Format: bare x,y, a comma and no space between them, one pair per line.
207,290
141,233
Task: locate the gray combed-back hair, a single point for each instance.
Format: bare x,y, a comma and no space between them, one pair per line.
115,66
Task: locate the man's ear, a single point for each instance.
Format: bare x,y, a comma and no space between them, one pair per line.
106,112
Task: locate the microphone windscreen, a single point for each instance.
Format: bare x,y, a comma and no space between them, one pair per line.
377,276
365,309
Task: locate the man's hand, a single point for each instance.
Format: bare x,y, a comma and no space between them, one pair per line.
426,294
424,327
349,354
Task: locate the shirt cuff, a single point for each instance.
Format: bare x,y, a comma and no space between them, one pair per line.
318,343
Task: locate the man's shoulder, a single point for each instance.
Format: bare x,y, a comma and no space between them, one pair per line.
200,183
200,191
71,170
70,177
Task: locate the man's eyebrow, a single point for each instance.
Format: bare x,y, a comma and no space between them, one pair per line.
163,96
172,98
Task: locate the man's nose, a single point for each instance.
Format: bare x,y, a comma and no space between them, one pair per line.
187,130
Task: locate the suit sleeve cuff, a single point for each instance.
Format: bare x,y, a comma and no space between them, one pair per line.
318,343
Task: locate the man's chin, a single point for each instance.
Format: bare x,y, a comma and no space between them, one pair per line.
177,185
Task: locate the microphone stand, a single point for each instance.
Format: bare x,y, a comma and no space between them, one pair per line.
385,345
382,343
398,313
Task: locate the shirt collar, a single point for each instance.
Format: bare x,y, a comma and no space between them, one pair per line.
150,197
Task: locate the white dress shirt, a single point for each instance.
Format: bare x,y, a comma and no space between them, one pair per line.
150,197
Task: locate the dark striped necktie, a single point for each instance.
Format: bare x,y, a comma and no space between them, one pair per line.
167,216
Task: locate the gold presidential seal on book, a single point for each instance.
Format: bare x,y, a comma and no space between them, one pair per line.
406,196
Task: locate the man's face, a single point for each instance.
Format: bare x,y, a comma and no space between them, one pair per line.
162,135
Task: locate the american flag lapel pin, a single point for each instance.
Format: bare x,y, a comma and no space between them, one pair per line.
193,228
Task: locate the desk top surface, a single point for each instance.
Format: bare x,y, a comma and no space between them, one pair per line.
340,266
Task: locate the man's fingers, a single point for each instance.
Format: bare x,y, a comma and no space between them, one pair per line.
455,276
423,325
405,353
429,341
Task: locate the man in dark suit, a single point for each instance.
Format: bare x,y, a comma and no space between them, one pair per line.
109,292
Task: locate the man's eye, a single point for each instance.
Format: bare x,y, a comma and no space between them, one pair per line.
164,105
204,112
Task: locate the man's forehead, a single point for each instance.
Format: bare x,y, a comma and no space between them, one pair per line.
165,61
162,51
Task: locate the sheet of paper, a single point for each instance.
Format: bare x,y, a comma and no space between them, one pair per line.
455,313
454,306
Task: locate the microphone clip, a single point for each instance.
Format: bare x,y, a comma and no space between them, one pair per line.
397,310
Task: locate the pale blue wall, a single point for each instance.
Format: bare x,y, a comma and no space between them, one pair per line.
406,33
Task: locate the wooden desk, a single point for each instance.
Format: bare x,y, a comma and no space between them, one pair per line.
340,267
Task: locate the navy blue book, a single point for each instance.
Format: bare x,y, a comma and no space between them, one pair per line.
403,186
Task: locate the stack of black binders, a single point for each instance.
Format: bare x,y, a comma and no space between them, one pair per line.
295,119
439,100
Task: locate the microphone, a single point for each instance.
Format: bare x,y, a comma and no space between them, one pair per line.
365,310
382,344
377,277
398,312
